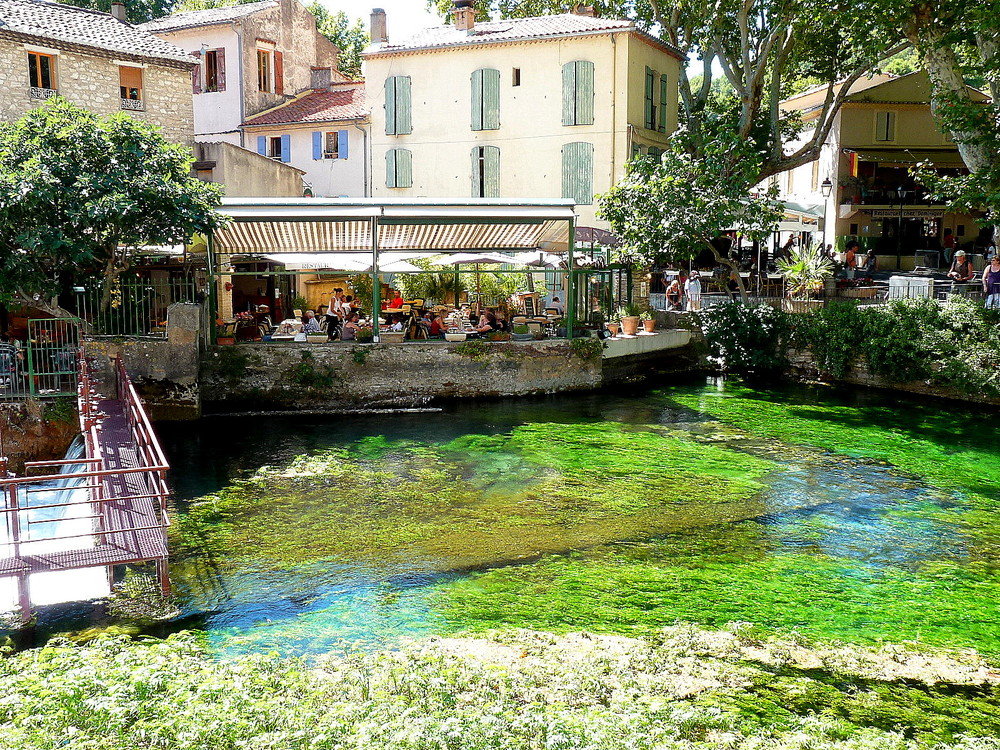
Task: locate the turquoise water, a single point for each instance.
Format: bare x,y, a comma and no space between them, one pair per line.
844,516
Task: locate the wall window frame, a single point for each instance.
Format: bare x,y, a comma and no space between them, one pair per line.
43,72
398,168
578,93
485,99
578,172
131,87
398,105
485,171
885,126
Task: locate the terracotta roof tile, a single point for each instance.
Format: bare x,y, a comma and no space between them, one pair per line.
84,27
342,102
513,30
209,17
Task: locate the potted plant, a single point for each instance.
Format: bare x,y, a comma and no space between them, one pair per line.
499,336
521,333
613,327
629,317
648,320
364,335
805,273
223,337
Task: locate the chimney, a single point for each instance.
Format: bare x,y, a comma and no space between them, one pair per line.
579,9
464,13
379,34
118,11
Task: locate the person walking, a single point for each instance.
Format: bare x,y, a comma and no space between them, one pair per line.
991,283
692,290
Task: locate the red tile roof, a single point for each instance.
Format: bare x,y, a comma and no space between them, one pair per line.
345,101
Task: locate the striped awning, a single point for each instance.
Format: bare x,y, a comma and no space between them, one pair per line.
272,227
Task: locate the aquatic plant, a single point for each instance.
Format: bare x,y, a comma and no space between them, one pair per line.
686,689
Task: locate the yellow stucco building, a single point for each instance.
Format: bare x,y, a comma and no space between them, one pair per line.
543,107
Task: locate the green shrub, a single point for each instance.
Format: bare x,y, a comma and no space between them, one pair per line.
746,339
587,349
308,374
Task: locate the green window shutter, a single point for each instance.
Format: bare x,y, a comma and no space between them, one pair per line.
404,106
477,171
491,172
661,123
491,99
569,93
477,100
578,172
584,92
650,121
390,106
390,168
404,168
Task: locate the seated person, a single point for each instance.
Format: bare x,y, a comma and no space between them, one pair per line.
350,329
488,323
961,268
556,305
347,306
433,325
311,324
397,324
870,265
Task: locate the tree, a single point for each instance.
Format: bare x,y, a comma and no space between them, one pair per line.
350,38
137,11
671,210
958,42
80,192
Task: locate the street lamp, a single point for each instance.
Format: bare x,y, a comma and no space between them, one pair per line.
826,188
901,192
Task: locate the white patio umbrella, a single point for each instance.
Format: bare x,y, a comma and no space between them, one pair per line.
476,259
538,259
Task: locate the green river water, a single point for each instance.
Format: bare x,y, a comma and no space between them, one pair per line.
854,517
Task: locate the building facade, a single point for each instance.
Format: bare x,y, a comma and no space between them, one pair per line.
251,58
94,59
884,129
543,107
324,133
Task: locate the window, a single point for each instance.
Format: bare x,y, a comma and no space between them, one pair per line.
275,147
486,99
578,93
398,168
485,172
397,106
960,230
515,77
650,107
661,122
853,230
41,75
264,73
331,145
885,127
130,87
215,70
578,172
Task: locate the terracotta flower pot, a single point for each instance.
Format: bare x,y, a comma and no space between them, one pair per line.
225,341
630,325
649,325
614,328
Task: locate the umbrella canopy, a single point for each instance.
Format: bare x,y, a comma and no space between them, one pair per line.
539,259
349,262
461,259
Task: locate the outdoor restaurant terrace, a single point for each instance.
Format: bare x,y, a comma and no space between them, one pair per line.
272,253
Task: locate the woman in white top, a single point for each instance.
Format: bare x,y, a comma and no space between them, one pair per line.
692,290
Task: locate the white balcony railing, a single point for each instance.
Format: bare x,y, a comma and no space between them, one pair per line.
136,105
37,92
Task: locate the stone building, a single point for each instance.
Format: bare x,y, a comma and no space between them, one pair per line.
542,107
94,59
252,57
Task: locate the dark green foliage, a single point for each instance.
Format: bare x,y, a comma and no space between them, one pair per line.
308,374
359,355
477,349
61,410
589,350
228,363
746,339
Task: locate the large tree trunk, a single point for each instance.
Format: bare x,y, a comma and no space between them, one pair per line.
734,268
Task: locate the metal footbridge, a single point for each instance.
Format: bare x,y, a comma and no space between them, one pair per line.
104,509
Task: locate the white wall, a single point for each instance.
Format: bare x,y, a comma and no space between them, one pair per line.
328,178
217,114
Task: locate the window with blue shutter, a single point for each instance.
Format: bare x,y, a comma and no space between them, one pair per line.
342,144
661,123
398,168
578,172
398,106
286,148
650,107
262,145
317,139
578,93
485,172
486,99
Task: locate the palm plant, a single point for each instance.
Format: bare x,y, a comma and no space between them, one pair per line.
805,271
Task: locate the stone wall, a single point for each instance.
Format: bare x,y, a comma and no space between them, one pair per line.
91,81
36,431
165,371
349,376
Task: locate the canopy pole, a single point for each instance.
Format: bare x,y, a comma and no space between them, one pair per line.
570,282
376,284
213,288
